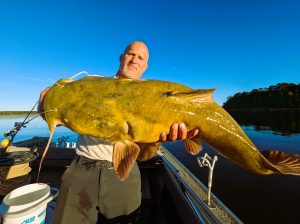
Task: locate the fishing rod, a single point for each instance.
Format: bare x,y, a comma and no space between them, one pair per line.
18,125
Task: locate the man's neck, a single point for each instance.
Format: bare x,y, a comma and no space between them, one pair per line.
119,75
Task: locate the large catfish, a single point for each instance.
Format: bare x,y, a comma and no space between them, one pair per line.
125,112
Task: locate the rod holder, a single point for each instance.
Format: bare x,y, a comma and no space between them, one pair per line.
206,160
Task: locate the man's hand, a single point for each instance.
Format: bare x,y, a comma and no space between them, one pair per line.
178,132
41,106
43,93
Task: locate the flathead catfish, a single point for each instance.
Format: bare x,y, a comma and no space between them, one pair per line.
128,112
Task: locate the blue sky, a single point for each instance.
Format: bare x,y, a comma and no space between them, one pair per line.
233,45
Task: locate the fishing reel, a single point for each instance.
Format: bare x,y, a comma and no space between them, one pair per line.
12,155
17,127
5,143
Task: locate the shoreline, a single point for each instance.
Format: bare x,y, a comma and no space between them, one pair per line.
16,112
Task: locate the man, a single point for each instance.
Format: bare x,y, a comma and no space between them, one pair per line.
90,185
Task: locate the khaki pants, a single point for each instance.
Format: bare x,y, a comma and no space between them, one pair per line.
88,185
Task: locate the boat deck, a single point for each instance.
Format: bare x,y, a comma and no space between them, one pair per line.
157,204
171,194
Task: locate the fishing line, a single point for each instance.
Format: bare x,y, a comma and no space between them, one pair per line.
32,79
25,120
12,177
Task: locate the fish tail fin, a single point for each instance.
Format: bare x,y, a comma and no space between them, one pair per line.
45,151
124,155
285,163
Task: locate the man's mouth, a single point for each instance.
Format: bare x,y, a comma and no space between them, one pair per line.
131,68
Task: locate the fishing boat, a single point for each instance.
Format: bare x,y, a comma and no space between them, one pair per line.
170,192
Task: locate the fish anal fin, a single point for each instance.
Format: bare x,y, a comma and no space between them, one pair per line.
286,163
124,155
196,95
193,145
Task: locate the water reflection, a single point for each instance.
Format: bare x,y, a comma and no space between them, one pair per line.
284,122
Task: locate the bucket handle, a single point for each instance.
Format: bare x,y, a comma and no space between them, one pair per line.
54,192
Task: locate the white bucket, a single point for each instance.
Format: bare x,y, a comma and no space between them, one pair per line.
27,204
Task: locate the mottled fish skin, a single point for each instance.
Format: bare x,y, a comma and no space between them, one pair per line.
115,109
139,110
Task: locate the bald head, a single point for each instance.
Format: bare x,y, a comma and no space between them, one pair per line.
138,44
134,61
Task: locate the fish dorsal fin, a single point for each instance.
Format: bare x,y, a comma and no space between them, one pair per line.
124,156
193,145
196,95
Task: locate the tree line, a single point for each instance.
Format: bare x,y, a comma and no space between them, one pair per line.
280,96
2,113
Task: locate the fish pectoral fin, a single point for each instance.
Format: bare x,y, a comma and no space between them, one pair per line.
193,145
286,163
148,150
196,95
124,155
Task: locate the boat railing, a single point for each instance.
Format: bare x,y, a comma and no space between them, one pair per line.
196,193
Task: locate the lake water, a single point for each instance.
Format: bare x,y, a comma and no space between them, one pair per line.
253,198
36,127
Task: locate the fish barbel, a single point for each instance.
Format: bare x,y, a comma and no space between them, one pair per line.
128,112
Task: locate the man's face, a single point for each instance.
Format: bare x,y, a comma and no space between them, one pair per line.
134,61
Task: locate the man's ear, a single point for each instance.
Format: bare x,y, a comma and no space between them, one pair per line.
145,67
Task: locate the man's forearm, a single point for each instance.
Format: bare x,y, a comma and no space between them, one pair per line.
41,109
41,103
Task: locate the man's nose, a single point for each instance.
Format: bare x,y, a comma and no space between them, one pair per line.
134,59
